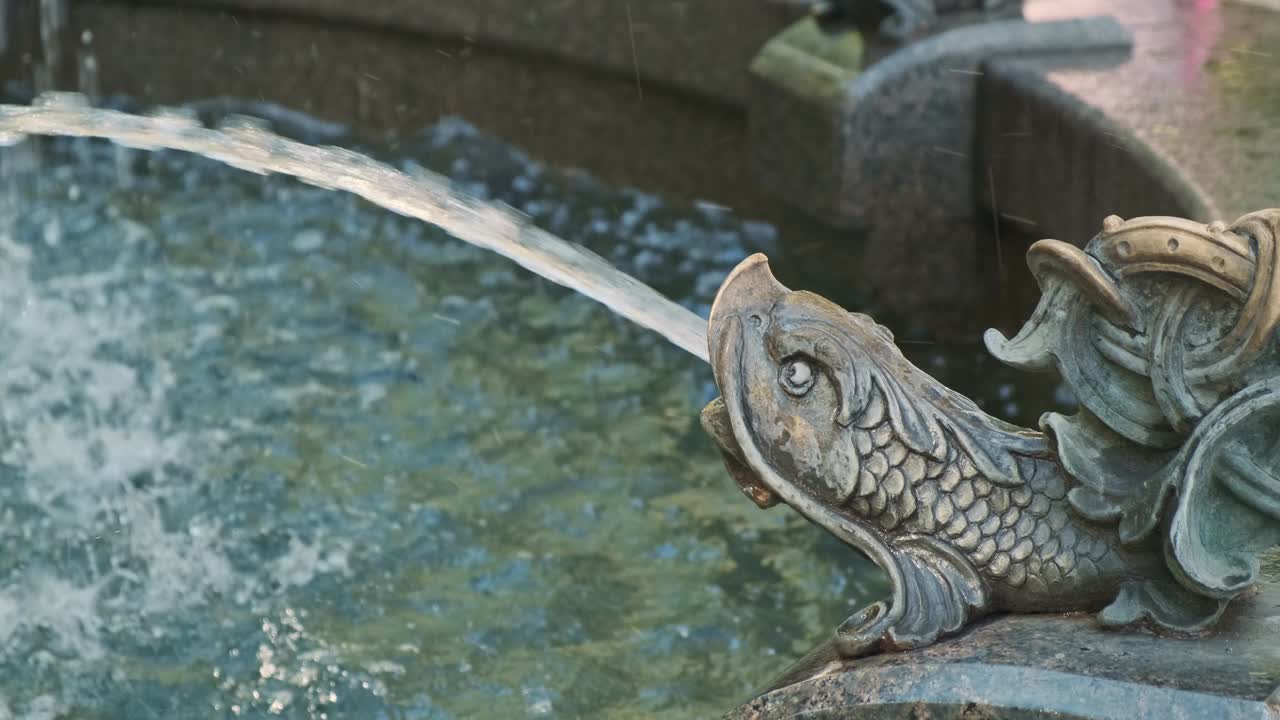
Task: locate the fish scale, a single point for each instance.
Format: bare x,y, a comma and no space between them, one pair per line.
1016,536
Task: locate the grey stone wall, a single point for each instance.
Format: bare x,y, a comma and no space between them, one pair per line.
700,46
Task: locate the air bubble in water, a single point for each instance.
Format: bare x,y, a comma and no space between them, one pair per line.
88,67
124,166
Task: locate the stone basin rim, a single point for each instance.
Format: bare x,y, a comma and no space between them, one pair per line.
1000,687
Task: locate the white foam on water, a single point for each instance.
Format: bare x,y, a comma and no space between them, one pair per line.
64,609
89,445
267,519
43,707
80,426
304,562
308,240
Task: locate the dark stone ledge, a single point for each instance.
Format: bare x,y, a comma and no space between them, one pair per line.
1044,666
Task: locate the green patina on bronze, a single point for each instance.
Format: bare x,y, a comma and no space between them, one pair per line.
814,63
1150,505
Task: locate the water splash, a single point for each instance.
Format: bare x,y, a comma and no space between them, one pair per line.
245,144
87,66
100,486
275,451
53,18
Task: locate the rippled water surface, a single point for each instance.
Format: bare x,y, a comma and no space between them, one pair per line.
268,451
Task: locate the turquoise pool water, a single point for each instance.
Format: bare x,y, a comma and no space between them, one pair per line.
269,451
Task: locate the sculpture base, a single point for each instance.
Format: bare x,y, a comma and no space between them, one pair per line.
1049,666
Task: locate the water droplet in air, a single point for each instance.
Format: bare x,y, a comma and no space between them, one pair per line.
174,118
61,100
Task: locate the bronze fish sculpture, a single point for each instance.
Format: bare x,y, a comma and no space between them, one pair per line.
1149,505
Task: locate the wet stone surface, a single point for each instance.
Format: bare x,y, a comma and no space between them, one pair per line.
1184,125
1029,666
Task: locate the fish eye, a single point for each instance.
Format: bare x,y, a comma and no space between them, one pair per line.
797,376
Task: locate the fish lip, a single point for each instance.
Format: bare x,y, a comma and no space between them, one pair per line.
724,295
747,294
716,423
726,358
748,290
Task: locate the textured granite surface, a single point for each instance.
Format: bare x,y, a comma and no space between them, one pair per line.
1188,125
701,46
903,128
889,151
653,136
391,79
894,176
1030,666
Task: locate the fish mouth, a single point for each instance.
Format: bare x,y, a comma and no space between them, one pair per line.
716,423
745,298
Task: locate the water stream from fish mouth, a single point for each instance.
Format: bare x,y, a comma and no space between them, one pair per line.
268,451
250,146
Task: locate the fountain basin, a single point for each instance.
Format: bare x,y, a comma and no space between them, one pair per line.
1031,667
541,77
262,53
